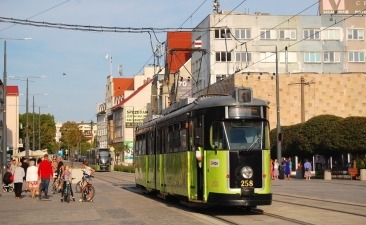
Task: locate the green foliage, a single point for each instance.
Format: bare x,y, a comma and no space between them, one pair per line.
324,134
361,163
44,124
127,169
71,135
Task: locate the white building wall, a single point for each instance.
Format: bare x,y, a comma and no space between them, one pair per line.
12,122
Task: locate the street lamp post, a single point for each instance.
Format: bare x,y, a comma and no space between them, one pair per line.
4,138
279,135
33,134
27,112
4,133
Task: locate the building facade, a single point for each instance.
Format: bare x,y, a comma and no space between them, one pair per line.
12,119
237,42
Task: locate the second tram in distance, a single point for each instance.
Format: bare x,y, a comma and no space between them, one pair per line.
99,159
213,150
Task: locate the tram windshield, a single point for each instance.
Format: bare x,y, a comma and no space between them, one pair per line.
248,135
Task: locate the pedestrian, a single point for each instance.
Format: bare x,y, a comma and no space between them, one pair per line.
67,176
54,168
32,178
45,174
287,168
276,171
25,165
18,180
13,165
307,166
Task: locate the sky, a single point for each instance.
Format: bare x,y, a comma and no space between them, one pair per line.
67,69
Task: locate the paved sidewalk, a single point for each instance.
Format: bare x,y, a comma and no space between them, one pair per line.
111,205
114,204
350,191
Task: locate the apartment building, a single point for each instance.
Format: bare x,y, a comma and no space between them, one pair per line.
237,42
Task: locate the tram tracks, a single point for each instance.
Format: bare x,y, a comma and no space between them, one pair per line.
323,204
285,209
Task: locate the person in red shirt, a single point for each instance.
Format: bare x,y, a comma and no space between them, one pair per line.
46,174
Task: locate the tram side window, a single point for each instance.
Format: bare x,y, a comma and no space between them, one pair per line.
170,140
143,145
149,147
137,147
217,139
176,141
183,140
165,140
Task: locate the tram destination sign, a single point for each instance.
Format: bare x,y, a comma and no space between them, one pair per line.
342,7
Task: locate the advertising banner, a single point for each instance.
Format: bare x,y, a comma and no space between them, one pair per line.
342,7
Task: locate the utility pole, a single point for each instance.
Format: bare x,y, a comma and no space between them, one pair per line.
302,84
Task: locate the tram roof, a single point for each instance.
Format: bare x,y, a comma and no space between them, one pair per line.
202,102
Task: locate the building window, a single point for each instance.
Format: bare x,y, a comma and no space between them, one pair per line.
268,34
331,57
356,56
311,34
288,34
267,57
243,56
222,33
220,77
355,34
223,56
331,34
291,57
312,57
243,33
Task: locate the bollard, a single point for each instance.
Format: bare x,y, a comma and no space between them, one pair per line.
363,174
327,175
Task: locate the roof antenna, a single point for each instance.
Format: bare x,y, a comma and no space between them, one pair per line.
216,6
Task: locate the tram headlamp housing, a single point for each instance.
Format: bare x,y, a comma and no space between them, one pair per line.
246,172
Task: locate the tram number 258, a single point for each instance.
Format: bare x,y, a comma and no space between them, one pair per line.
246,183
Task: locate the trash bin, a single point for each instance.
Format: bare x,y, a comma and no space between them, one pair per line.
299,174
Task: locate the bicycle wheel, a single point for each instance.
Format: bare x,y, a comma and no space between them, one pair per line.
78,187
89,193
67,197
55,186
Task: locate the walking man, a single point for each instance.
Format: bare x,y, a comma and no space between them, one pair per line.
46,174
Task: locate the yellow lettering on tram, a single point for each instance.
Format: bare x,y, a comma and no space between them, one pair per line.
246,183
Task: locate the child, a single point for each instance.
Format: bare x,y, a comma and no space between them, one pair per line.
87,172
66,176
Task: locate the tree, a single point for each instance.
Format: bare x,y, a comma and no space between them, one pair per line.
47,129
353,135
71,135
323,132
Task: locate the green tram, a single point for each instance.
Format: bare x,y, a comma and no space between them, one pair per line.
212,150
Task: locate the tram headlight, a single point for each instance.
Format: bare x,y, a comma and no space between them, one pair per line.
247,172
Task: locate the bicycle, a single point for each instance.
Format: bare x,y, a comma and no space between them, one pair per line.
56,186
79,185
88,191
67,192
